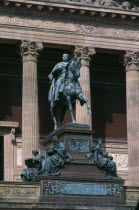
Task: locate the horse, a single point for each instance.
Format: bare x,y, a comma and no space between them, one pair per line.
72,91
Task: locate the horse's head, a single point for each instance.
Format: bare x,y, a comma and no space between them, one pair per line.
75,66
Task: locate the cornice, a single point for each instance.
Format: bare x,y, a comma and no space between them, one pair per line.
69,11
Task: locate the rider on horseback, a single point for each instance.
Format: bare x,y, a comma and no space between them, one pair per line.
57,77
65,89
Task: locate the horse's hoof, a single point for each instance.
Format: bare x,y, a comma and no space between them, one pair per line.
73,121
89,112
55,127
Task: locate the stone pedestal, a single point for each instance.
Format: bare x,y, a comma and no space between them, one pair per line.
81,111
132,93
80,182
30,115
77,139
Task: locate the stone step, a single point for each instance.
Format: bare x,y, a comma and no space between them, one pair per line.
63,206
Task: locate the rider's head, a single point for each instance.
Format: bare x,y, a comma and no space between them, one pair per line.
65,57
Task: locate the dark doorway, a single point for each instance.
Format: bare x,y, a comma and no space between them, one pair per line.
11,84
108,89
1,158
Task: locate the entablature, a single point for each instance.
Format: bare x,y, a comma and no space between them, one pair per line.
73,9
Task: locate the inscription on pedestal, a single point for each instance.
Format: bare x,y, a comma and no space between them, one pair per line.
69,188
78,145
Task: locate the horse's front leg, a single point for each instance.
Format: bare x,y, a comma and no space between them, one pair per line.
54,118
83,100
70,108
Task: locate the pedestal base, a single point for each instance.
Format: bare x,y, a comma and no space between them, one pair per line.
80,191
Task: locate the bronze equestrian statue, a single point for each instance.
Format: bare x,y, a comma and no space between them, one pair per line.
65,88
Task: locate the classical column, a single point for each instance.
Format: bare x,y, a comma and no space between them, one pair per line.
30,115
132,101
81,111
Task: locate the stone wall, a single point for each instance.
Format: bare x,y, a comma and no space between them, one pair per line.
19,192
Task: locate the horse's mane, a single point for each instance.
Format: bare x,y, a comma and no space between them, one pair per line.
76,61
73,59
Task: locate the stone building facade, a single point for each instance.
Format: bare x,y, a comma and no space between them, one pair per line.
33,36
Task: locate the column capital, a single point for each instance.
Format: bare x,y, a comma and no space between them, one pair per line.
29,50
85,54
131,60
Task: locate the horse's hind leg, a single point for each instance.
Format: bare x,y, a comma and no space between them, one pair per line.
83,100
63,112
70,108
